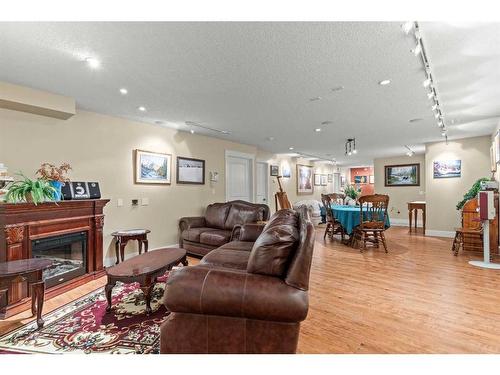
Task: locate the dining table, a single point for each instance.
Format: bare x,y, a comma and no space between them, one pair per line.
350,217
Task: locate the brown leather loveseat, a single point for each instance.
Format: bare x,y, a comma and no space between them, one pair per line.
201,234
247,296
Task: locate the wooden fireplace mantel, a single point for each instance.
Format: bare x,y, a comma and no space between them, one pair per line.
24,222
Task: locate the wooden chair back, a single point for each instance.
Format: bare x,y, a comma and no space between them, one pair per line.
373,211
337,198
327,203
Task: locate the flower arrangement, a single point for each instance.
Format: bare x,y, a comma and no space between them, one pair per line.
50,172
351,191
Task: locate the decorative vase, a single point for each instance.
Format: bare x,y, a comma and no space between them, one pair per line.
57,186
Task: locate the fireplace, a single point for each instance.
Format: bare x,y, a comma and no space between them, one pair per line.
68,253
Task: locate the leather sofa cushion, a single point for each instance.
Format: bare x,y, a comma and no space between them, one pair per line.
242,214
193,234
227,258
273,250
216,214
238,245
215,237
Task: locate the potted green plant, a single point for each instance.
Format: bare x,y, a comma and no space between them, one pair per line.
352,192
31,191
56,176
472,193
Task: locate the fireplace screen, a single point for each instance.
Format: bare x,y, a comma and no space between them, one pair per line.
68,253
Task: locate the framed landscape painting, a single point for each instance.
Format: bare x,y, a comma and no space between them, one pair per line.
304,179
402,175
360,179
190,171
152,167
447,168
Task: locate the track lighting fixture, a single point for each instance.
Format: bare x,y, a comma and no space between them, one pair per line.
407,27
427,82
417,50
350,146
434,107
430,95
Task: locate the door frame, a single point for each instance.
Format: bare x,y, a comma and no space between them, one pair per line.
266,170
251,159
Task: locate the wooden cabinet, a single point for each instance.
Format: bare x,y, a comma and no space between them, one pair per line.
22,223
470,215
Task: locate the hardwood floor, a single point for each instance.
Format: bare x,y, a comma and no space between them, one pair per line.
418,298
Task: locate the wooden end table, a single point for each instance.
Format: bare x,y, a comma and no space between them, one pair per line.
30,270
413,207
123,236
144,269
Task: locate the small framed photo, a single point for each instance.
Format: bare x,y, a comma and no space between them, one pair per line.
190,171
275,170
287,173
372,179
330,178
317,180
324,180
342,181
152,167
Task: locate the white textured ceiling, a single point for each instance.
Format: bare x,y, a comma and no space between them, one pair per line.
255,79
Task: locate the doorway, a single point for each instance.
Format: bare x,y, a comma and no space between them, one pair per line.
261,195
239,176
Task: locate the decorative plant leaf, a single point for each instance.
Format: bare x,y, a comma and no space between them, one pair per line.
40,191
472,193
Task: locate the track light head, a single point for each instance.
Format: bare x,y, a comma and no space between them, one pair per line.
417,50
431,94
427,82
407,27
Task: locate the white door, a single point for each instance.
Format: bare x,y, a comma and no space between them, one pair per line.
239,177
262,183
336,182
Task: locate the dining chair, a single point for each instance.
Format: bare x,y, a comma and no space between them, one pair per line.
337,198
373,215
333,226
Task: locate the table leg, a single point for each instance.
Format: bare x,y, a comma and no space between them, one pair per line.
416,215
423,219
38,294
145,245
139,244
410,211
117,251
147,289
108,289
122,249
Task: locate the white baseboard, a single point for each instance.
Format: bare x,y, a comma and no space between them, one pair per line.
440,233
110,261
400,222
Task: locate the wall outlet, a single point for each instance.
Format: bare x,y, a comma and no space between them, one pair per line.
145,201
135,202
119,202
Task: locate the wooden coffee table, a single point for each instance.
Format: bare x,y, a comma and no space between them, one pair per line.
31,271
144,269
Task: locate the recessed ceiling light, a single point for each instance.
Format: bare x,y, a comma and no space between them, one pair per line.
270,138
384,82
327,122
191,131
317,130
415,119
290,148
158,122
338,88
123,91
142,109
225,132
315,98
92,62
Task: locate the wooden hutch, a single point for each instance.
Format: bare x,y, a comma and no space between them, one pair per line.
22,224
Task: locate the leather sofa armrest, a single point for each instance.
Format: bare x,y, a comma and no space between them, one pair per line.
250,232
191,222
202,290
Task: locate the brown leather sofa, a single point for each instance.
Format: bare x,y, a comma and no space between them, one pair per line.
200,235
247,296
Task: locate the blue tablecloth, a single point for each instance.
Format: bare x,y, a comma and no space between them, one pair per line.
349,217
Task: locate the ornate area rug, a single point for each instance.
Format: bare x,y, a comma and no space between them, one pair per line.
83,326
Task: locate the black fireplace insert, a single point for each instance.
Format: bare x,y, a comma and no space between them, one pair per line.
68,253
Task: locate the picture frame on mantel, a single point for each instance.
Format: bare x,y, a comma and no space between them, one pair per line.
152,167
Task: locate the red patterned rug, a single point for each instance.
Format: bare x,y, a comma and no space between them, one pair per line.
83,326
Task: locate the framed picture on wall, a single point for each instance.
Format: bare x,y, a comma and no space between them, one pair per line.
372,179
304,179
190,171
342,181
497,146
447,168
402,175
493,158
274,170
360,179
317,180
152,167
330,178
324,180
286,171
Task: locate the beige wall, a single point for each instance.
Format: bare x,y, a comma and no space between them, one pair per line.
399,196
100,148
442,195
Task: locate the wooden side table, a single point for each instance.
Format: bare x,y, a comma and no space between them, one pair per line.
123,236
413,208
29,270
